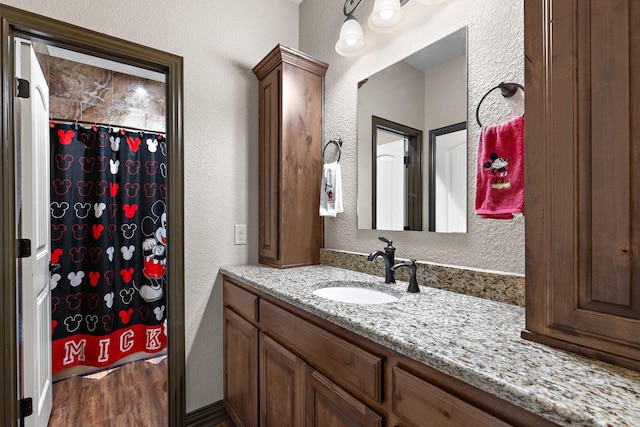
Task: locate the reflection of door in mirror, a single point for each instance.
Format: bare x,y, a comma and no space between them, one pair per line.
390,197
448,179
397,187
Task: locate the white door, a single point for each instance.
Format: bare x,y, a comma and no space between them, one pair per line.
390,201
34,224
451,182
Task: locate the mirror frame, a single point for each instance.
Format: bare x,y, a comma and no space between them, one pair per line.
15,22
414,170
433,136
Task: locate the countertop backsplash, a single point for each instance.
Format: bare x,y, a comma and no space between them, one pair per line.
507,288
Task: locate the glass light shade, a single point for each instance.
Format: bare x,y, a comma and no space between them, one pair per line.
430,2
351,40
386,16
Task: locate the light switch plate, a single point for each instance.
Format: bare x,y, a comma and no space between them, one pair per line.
240,234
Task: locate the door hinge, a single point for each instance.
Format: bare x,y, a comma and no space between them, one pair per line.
24,248
22,88
25,407
407,160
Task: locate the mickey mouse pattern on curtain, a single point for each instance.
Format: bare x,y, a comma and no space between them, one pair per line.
108,232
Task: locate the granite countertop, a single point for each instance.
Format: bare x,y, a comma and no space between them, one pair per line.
472,339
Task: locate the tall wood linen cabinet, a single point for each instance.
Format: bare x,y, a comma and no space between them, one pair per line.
582,153
291,96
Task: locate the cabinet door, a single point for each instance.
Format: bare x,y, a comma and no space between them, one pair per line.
282,385
240,369
583,174
269,167
326,404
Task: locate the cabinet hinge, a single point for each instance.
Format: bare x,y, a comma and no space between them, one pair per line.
24,248
25,407
22,88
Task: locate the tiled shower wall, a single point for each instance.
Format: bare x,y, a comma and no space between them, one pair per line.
84,92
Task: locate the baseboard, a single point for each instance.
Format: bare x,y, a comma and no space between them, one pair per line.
208,415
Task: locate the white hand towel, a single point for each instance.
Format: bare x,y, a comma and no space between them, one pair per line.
331,190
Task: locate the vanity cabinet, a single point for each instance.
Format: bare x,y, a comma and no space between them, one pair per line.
310,372
582,177
291,86
286,390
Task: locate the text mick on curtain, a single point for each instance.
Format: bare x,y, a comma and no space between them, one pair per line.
108,232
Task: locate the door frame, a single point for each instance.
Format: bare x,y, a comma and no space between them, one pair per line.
413,190
19,23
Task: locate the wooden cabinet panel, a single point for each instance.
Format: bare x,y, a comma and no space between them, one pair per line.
301,226
348,365
417,401
582,175
329,405
291,96
282,385
240,370
268,165
241,301
604,80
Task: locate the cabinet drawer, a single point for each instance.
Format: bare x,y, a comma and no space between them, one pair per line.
349,366
242,302
417,400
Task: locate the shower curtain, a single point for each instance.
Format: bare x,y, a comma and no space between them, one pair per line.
108,252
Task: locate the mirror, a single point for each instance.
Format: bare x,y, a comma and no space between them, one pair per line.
398,109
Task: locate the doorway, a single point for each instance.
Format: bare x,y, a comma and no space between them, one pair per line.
17,23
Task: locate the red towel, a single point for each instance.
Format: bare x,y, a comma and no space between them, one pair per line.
500,177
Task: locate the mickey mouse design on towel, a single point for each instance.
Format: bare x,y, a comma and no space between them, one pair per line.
498,167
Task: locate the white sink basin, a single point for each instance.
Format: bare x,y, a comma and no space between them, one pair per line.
355,295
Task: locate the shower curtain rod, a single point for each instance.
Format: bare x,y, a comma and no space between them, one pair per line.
84,122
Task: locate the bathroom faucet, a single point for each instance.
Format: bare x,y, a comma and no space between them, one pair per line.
389,258
413,282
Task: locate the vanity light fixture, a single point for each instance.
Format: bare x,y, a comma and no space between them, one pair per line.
351,42
385,17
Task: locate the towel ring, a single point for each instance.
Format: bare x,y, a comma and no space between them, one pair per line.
337,143
507,90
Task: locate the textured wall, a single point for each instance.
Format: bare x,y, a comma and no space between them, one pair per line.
495,54
220,42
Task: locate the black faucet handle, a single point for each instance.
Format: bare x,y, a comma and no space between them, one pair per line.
385,240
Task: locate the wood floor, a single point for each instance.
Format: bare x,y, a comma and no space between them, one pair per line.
133,395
